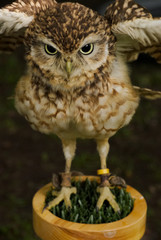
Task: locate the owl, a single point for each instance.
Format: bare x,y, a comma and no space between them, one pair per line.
77,83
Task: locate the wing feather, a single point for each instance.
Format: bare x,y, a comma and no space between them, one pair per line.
15,18
29,6
147,93
135,29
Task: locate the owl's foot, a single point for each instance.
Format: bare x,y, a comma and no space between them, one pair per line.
62,182
106,194
107,181
62,195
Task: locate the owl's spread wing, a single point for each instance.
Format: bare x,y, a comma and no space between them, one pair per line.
15,18
147,93
135,29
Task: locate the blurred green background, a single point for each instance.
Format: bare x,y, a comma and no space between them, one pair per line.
28,158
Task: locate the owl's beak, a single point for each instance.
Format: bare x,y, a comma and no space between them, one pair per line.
68,67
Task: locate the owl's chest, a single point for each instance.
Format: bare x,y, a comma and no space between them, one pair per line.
93,114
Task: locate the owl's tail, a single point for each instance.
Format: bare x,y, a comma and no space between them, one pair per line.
148,93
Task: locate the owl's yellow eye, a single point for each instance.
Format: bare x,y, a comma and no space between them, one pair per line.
87,49
50,50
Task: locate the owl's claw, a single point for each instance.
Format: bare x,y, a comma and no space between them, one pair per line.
106,194
63,194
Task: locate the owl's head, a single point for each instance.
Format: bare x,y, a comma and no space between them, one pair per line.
68,42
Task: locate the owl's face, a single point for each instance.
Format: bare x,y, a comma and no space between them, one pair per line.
65,47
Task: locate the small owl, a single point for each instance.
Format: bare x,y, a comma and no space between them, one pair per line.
77,84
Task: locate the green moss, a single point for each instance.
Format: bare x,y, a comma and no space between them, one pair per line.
84,205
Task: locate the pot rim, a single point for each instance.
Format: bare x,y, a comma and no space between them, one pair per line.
137,214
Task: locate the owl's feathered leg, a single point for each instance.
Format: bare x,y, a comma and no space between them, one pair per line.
66,190
104,188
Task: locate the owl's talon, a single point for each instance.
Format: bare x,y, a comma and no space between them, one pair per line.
97,209
119,212
63,195
106,194
45,207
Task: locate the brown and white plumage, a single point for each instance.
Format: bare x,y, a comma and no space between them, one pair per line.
70,91
15,18
135,29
